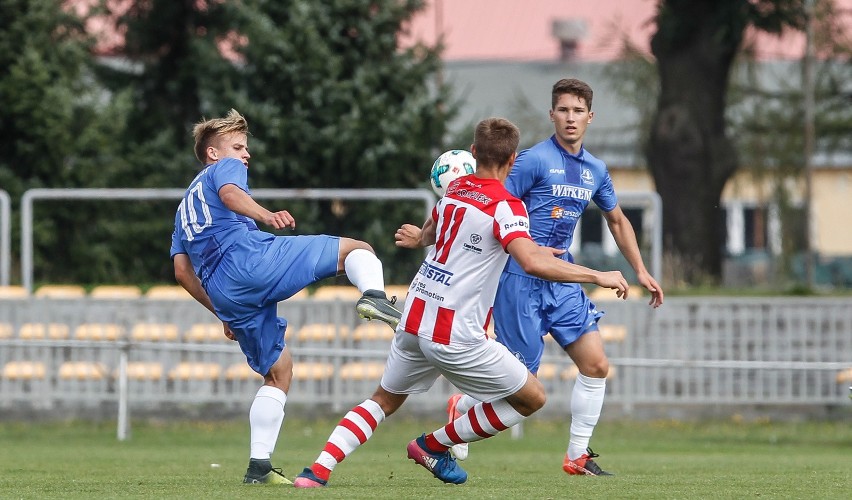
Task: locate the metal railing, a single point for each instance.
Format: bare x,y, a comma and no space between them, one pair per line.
5,237
33,195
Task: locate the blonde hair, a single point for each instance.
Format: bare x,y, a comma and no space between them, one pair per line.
206,132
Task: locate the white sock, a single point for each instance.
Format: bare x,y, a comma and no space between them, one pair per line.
465,403
364,270
265,418
586,403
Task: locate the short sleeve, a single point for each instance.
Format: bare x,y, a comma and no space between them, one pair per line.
511,221
230,171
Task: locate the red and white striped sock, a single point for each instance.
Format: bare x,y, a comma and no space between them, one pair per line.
354,429
480,422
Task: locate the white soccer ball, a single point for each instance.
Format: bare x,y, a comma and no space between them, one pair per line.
450,166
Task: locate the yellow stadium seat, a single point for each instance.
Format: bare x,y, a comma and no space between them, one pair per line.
98,331
42,331
372,330
547,371
844,376
115,292
322,332
188,370
82,370
168,292
60,292
206,332
300,295
312,370
362,370
154,332
335,292
24,370
13,292
6,330
613,333
143,370
241,371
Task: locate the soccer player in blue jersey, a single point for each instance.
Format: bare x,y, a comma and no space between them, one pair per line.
241,273
556,179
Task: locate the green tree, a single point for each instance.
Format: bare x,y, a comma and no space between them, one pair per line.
690,149
333,102
54,125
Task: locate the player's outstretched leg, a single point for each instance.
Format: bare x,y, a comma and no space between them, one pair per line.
374,304
459,451
442,465
261,472
584,465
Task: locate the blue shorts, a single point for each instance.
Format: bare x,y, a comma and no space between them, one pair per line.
526,309
253,276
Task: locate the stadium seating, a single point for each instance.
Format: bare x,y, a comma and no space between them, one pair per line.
43,331
13,292
24,370
372,331
168,292
143,370
205,332
154,332
6,330
312,370
115,292
82,370
612,333
336,292
241,371
98,331
60,292
362,370
844,376
321,332
188,370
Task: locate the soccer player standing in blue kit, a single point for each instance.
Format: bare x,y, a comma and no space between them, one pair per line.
241,273
556,179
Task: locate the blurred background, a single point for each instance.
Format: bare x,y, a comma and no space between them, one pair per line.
726,127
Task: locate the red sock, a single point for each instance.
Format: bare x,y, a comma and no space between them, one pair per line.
433,445
321,472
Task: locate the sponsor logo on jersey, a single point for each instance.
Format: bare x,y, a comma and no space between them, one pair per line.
574,192
587,177
472,195
474,238
516,224
435,274
421,289
557,171
561,213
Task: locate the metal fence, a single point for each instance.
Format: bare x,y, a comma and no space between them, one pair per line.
71,354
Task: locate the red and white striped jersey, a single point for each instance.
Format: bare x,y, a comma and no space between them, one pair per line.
452,294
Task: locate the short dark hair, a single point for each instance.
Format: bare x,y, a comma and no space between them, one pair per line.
571,86
495,139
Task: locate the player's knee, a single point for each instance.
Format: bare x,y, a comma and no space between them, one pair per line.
596,369
348,245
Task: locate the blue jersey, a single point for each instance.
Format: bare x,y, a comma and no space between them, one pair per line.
556,187
204,226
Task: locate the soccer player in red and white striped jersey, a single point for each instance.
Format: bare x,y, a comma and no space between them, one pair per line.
474,229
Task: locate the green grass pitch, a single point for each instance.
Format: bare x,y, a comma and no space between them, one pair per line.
660,459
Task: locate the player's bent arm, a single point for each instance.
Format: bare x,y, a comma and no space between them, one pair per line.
625,237
185,276
240,202
540,262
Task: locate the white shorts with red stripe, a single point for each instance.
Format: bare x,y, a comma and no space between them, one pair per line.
485,370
